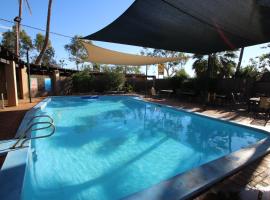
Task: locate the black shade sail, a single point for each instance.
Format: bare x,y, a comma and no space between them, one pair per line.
194,26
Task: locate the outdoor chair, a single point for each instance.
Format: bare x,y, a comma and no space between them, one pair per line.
264,107
153,93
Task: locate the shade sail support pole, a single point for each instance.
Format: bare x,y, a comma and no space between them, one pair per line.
146,74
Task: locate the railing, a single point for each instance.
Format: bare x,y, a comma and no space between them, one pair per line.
22,139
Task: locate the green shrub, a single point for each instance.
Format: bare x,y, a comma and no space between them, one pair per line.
82,82
85,82
128,88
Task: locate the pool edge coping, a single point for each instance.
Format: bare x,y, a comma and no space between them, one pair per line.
153,192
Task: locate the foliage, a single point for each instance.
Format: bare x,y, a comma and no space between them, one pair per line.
96,67
181,73
118,69
112,81
250,71
48,57
127,69
177,80
77,51
85,82
264,61
128,88
172,67
223,65
9,38
200,66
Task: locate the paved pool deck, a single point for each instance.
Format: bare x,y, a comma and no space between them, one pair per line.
250,183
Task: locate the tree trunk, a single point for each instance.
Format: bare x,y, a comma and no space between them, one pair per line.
167,69
46,41
238,68
209,66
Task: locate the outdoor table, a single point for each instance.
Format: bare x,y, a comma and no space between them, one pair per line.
252,102
168,92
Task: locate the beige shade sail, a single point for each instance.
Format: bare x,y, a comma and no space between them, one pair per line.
105,56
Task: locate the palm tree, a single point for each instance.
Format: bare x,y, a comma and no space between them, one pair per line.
226,62
46,41
200,65
222,65
238,68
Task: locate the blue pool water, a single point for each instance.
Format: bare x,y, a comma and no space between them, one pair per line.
111,147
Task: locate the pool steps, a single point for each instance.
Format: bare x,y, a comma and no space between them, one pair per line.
19,142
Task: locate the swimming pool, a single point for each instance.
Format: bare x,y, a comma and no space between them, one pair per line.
113,146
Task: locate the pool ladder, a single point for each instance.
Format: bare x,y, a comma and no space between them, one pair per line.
22,139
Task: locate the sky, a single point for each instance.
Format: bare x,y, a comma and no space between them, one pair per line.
82,17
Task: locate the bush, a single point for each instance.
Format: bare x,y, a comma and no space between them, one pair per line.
177,80
128,88
85,82
82,82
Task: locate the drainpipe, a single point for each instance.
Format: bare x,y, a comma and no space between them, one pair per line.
28,72
3,101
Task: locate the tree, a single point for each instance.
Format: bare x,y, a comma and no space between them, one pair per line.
46,41
77,51
249,71
48,57
127,69
171,67
222,65
96,67
181,73
200,65
25,41
238,67
264,61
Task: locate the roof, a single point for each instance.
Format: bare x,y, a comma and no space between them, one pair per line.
190,26
7,55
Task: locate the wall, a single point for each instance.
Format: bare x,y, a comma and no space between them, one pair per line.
40,90
64,82
3,80
261,88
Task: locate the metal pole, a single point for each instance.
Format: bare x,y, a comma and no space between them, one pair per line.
146,69
18,29
3,101
28,72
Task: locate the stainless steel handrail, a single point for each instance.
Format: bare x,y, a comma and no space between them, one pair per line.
30,129
42,136
40,116
24,134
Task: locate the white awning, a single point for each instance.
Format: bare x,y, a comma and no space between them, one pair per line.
105,56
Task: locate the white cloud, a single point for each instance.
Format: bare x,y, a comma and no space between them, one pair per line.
5,27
